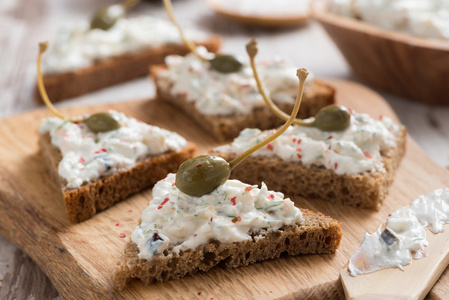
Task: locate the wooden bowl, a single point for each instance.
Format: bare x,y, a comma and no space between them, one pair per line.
405,65
275,21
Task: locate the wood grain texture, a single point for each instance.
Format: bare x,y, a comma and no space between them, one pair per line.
403,64
79,258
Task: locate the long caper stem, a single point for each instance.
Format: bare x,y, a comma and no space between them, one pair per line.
189,44
129,4
251,49
302,75
40,82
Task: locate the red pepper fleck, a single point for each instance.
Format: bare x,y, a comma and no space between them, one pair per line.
335,166
211,219
329,137
381,117
80,126
162,204
195,235
173,184
101,150
368,155
294,140
82,160
298,149
184,95
247,85
271,196
118,224
299,155
199,293
238,219
198,166
271,291
248,188
122,235
233,200
130,210
270,147
299,141
389,215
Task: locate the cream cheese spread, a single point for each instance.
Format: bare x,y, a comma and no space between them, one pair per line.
354,150
426,18
87,156
403,236
216,93
78,46
233,212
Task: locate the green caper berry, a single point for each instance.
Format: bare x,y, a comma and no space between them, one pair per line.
332,118
102,122
225,64
201,175
107,16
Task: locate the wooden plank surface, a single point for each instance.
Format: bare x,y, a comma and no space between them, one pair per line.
79,258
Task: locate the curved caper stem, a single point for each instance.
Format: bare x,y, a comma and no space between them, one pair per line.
98,122
40,82
251,49
128,4
302,75
189,44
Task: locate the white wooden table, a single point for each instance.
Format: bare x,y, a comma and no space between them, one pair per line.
24,23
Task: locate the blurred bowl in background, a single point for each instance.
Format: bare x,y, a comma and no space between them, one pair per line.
409,66
263,13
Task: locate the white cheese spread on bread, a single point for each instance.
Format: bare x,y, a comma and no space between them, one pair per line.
403,236
425,18
78,46
216,93
356,149
233,212
87,156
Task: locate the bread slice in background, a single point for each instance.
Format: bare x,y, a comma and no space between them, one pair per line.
114,70
315,234
84,202
367,190
225,128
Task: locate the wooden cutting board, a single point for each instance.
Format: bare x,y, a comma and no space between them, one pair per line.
79,258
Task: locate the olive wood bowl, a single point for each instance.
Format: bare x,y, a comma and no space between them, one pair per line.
403,64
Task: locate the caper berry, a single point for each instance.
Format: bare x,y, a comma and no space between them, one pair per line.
225,64
332,118
102,122
329,118
107,16
202,174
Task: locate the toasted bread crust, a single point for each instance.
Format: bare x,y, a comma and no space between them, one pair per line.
316,234
225,128
84,202
367,190
114,70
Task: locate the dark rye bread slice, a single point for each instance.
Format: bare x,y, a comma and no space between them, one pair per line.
367,190
114,70
225,128
317,233
84,202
